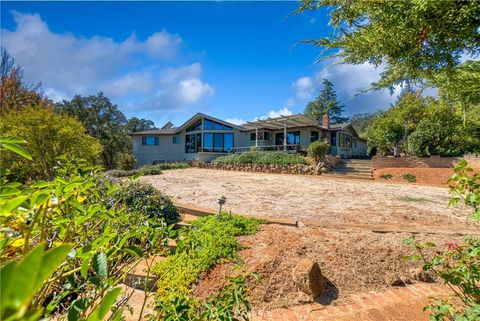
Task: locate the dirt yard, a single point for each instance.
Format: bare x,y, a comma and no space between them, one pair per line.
352,261
314,198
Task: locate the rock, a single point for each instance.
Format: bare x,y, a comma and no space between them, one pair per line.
393,279
419,274
308,277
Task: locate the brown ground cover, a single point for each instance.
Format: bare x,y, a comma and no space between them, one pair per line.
434,176
314,198
353,262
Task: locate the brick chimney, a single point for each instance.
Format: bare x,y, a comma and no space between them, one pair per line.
326,121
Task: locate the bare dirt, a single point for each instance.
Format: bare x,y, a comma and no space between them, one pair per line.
351,261
314,198
434,176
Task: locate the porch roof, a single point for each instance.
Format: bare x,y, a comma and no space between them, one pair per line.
278,123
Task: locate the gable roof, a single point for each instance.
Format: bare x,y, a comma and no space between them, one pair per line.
175,130
342,126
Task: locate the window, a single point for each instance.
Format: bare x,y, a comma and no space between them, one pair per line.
268,136
213,125
176,140
293,138
150,140
252,136
333,139
194,127
345,140
218,142
313,136
192,143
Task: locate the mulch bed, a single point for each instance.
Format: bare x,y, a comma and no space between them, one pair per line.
434,176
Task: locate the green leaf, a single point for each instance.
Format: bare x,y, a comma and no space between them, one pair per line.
17,150
103,307
84,268
100,265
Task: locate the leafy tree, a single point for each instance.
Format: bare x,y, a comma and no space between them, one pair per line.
362,121
49,136
390,131
414,40
326,103
104,121
135,124
14,93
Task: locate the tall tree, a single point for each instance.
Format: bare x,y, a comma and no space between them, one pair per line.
362,121
135,124
414,40
326,103
15,94
103,120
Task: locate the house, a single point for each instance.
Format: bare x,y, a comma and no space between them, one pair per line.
204,138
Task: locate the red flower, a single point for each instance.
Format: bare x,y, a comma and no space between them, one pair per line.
452,246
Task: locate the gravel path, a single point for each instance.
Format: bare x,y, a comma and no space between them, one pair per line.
313,198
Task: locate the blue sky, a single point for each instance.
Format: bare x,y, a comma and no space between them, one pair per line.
167,60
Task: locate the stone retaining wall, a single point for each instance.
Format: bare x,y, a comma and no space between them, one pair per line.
423,162
298,169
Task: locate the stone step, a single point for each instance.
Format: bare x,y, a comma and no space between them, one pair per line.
349,176
353,168
138,278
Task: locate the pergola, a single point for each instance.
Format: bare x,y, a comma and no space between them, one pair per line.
278,123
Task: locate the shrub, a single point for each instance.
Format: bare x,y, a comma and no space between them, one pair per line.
457,264
126,161
146,170
70,250
121,173
144,199
48,136
318,149
409,177
386,176
262,158
208,242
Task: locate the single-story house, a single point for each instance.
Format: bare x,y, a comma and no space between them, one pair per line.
204,138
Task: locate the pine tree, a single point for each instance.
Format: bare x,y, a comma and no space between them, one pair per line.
326,102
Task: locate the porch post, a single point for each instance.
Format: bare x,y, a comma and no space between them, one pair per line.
284,136
256,137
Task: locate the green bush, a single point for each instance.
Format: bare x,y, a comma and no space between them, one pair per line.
146,170
144,199
48,136
457,264
126,161
386,176
318,149
409,177
209,241
262,158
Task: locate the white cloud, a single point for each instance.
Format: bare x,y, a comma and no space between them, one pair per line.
275,113
304,87
126,70
349,83
235,121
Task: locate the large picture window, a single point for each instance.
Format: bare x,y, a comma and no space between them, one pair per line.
213,125
293,138
193,142
150,141
194,127
218,142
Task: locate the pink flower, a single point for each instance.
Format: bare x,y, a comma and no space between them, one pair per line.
452,246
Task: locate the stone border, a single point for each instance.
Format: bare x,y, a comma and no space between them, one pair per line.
434,161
